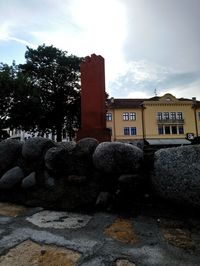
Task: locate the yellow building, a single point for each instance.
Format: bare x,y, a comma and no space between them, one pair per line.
165,119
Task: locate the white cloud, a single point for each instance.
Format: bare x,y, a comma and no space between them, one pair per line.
143,49
22,42
4,31
140,79
141,71
186,91
139,94
94,26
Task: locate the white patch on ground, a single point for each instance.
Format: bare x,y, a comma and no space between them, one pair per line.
59,220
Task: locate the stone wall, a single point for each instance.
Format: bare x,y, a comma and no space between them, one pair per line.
91,175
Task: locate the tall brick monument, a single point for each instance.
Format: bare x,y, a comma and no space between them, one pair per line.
93,107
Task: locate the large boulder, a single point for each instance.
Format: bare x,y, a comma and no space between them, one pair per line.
81,157
11,178
67,145
117,157
87,146
10,151
35,148
176,174
57,160
29,181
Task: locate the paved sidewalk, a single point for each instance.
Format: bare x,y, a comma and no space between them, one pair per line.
34,236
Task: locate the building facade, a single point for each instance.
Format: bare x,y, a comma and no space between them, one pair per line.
158,118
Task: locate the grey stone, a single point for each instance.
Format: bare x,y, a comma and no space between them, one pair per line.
81,157
68,145
176,174
11,178
29,181
49,180
10,151
87,145
117,157
35,148
57,159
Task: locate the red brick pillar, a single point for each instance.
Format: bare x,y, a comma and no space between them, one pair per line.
93,108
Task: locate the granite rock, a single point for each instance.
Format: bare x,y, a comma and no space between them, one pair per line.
117,157
176,174
10,151
35,148
11,177
29,181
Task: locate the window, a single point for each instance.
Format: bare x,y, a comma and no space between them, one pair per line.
166,115
179,116
174,129
173,115
132,116
125,116
133,131
171,129
108,117
160,130
126,131
159,116
167,129
129,116
130,131
180,130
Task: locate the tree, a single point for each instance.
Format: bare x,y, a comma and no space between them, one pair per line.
25,112
6,85
55,75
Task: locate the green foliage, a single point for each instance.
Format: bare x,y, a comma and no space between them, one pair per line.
43,94
6,85
55,77
26,107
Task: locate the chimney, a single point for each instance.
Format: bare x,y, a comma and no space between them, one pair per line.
194,102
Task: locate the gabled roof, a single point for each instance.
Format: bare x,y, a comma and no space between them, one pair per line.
138,103
124,103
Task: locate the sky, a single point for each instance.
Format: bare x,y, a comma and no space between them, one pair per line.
150,47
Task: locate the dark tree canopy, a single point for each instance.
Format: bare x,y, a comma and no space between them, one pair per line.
25,110
6,86
53,77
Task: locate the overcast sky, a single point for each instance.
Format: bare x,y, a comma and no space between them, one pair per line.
147,44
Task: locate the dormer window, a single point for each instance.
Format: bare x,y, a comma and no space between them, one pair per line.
168,99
